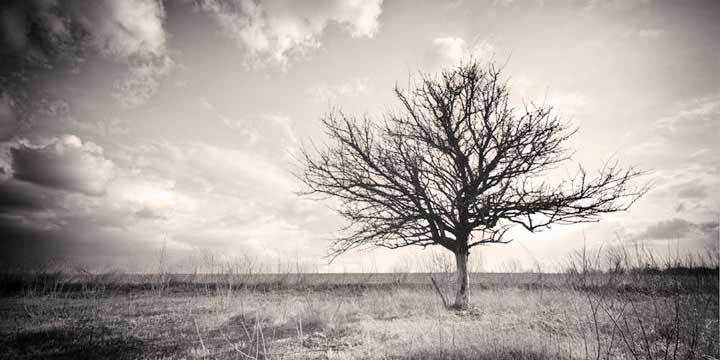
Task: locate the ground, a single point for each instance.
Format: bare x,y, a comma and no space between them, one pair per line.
513,317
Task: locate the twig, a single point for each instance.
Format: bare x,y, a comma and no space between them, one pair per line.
202,343
437,288
235,347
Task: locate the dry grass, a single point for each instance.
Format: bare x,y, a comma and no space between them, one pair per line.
510,320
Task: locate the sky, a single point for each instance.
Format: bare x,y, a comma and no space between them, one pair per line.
137,133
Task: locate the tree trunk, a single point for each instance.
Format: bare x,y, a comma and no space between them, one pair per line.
463,280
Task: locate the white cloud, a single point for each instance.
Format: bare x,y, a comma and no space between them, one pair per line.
134,33
702,112
449,51
643,33
566,102
210,197
686,136
142,80
255,174
326,93
137,193
283,132
649,33
119,28
569,103
451,48
270,133
249,134
206,168
272,31
190,195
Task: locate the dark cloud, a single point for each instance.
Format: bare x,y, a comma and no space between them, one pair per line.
66,163
149,214
8,125
39,34
692,191
678,228
41,225
709,227
17,197
44,40
27,245
45,34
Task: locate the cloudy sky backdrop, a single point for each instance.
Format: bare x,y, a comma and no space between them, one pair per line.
131,126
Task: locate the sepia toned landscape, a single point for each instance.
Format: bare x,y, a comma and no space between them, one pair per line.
346,179
629,313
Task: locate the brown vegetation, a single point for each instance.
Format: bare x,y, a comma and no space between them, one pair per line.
586,314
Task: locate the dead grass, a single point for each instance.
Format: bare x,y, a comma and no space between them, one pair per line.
507,322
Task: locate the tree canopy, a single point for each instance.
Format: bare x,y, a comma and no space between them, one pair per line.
456,166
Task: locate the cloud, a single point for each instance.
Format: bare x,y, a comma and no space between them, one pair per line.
325,93
449,51
185,195
255,174
47,32
685,140
146,196
564,101
83,244
678,228
45,35
7,116
569,103
221,199
147,213
18,197
692,190
270,133
211,177
695,117
134,33
61,202
648,33
66,163
206,171
123,28
249,134
142,80
642,33
453,49
616,6
273,31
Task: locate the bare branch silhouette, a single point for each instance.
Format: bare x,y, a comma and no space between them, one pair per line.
457,167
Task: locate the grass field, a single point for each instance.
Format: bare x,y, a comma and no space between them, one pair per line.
348,316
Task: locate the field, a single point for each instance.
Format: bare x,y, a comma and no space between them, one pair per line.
349,316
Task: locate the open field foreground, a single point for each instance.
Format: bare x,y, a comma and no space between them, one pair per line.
552,317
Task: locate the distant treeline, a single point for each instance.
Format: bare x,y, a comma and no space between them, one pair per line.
35,283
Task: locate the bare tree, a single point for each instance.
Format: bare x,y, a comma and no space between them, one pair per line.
457,166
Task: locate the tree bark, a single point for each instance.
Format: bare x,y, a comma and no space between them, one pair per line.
463,280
